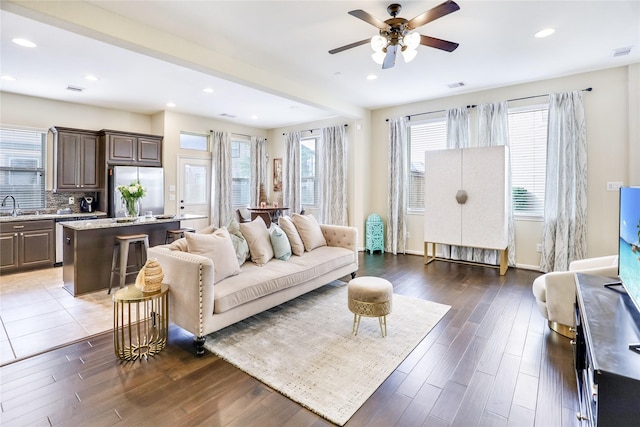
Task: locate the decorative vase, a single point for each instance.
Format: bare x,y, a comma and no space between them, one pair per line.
132,208
149,278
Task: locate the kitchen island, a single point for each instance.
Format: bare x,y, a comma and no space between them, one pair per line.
88,248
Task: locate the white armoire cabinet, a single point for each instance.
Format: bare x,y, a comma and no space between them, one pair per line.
478,220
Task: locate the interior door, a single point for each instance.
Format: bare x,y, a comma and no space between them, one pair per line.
194,190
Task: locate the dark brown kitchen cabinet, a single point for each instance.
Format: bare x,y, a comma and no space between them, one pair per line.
26,244
79,160
133,149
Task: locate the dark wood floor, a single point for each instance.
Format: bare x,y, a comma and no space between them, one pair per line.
491,361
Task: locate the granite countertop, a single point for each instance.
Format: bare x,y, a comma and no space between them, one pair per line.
33,216
121,222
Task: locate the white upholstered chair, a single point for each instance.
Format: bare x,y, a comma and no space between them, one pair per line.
555,292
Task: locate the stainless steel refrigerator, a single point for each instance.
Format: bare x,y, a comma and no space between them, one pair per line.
150,178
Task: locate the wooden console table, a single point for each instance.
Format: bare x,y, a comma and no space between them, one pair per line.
607,370
504,258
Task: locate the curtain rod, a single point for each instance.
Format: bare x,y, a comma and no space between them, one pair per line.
311,130
238,134
589,89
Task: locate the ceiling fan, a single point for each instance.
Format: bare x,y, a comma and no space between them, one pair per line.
396,33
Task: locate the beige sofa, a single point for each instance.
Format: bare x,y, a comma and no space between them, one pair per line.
200,307
555,292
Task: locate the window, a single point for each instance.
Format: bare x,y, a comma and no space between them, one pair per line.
193,141
528,140
423,136
309,172
240,173
22,161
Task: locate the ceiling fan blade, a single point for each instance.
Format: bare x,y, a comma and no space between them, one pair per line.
390,58
438,43
368,18
349,46
433,14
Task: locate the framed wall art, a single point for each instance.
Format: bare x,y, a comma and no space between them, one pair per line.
277,174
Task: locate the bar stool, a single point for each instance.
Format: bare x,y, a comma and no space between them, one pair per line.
176,234
121,254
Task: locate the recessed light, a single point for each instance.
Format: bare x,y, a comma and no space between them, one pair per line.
171,104
544,33
91,77
8,78
207,90
372,77
254,117
24,42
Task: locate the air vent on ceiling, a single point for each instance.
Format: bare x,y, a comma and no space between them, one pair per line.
455,85
75,88
230,116
623,51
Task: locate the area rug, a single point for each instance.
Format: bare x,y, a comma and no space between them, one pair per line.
305,350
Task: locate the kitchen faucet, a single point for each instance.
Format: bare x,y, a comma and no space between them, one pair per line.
14,212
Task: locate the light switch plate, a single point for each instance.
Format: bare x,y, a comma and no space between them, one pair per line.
172,188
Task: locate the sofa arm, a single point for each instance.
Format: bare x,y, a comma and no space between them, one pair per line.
341,236
603,262
190,279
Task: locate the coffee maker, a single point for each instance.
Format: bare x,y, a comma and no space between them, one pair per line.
86,204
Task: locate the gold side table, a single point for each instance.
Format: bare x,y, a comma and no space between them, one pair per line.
140,322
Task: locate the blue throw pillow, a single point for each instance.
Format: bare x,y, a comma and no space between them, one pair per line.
280,243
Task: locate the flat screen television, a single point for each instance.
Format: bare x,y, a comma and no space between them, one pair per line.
629,247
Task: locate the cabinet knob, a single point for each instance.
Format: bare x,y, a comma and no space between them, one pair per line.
572,329
572,342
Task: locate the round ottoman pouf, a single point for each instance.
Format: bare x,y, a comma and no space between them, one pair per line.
370,297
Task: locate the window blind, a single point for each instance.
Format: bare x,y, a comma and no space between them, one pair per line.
22,167
240,173
309,172
528,140
424,136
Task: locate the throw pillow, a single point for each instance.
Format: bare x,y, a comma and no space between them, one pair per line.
297,247
239,243
309,231
207,230
218,247
280,243
179,245
257,236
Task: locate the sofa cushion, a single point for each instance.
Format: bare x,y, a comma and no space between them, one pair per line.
280,243
239,242
257,236
286,223
179,245
255,282
309,231
218,247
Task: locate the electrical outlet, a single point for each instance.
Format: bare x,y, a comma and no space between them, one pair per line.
71,200
614,186
539,247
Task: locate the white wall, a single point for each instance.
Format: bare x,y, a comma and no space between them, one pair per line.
608,128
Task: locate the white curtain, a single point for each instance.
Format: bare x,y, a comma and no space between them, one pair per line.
291,181
398,173
333,176
564,236
457,137
258,167
221,209
493,130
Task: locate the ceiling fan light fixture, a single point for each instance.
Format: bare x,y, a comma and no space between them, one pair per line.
378,43
409,54
378,57
411,40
